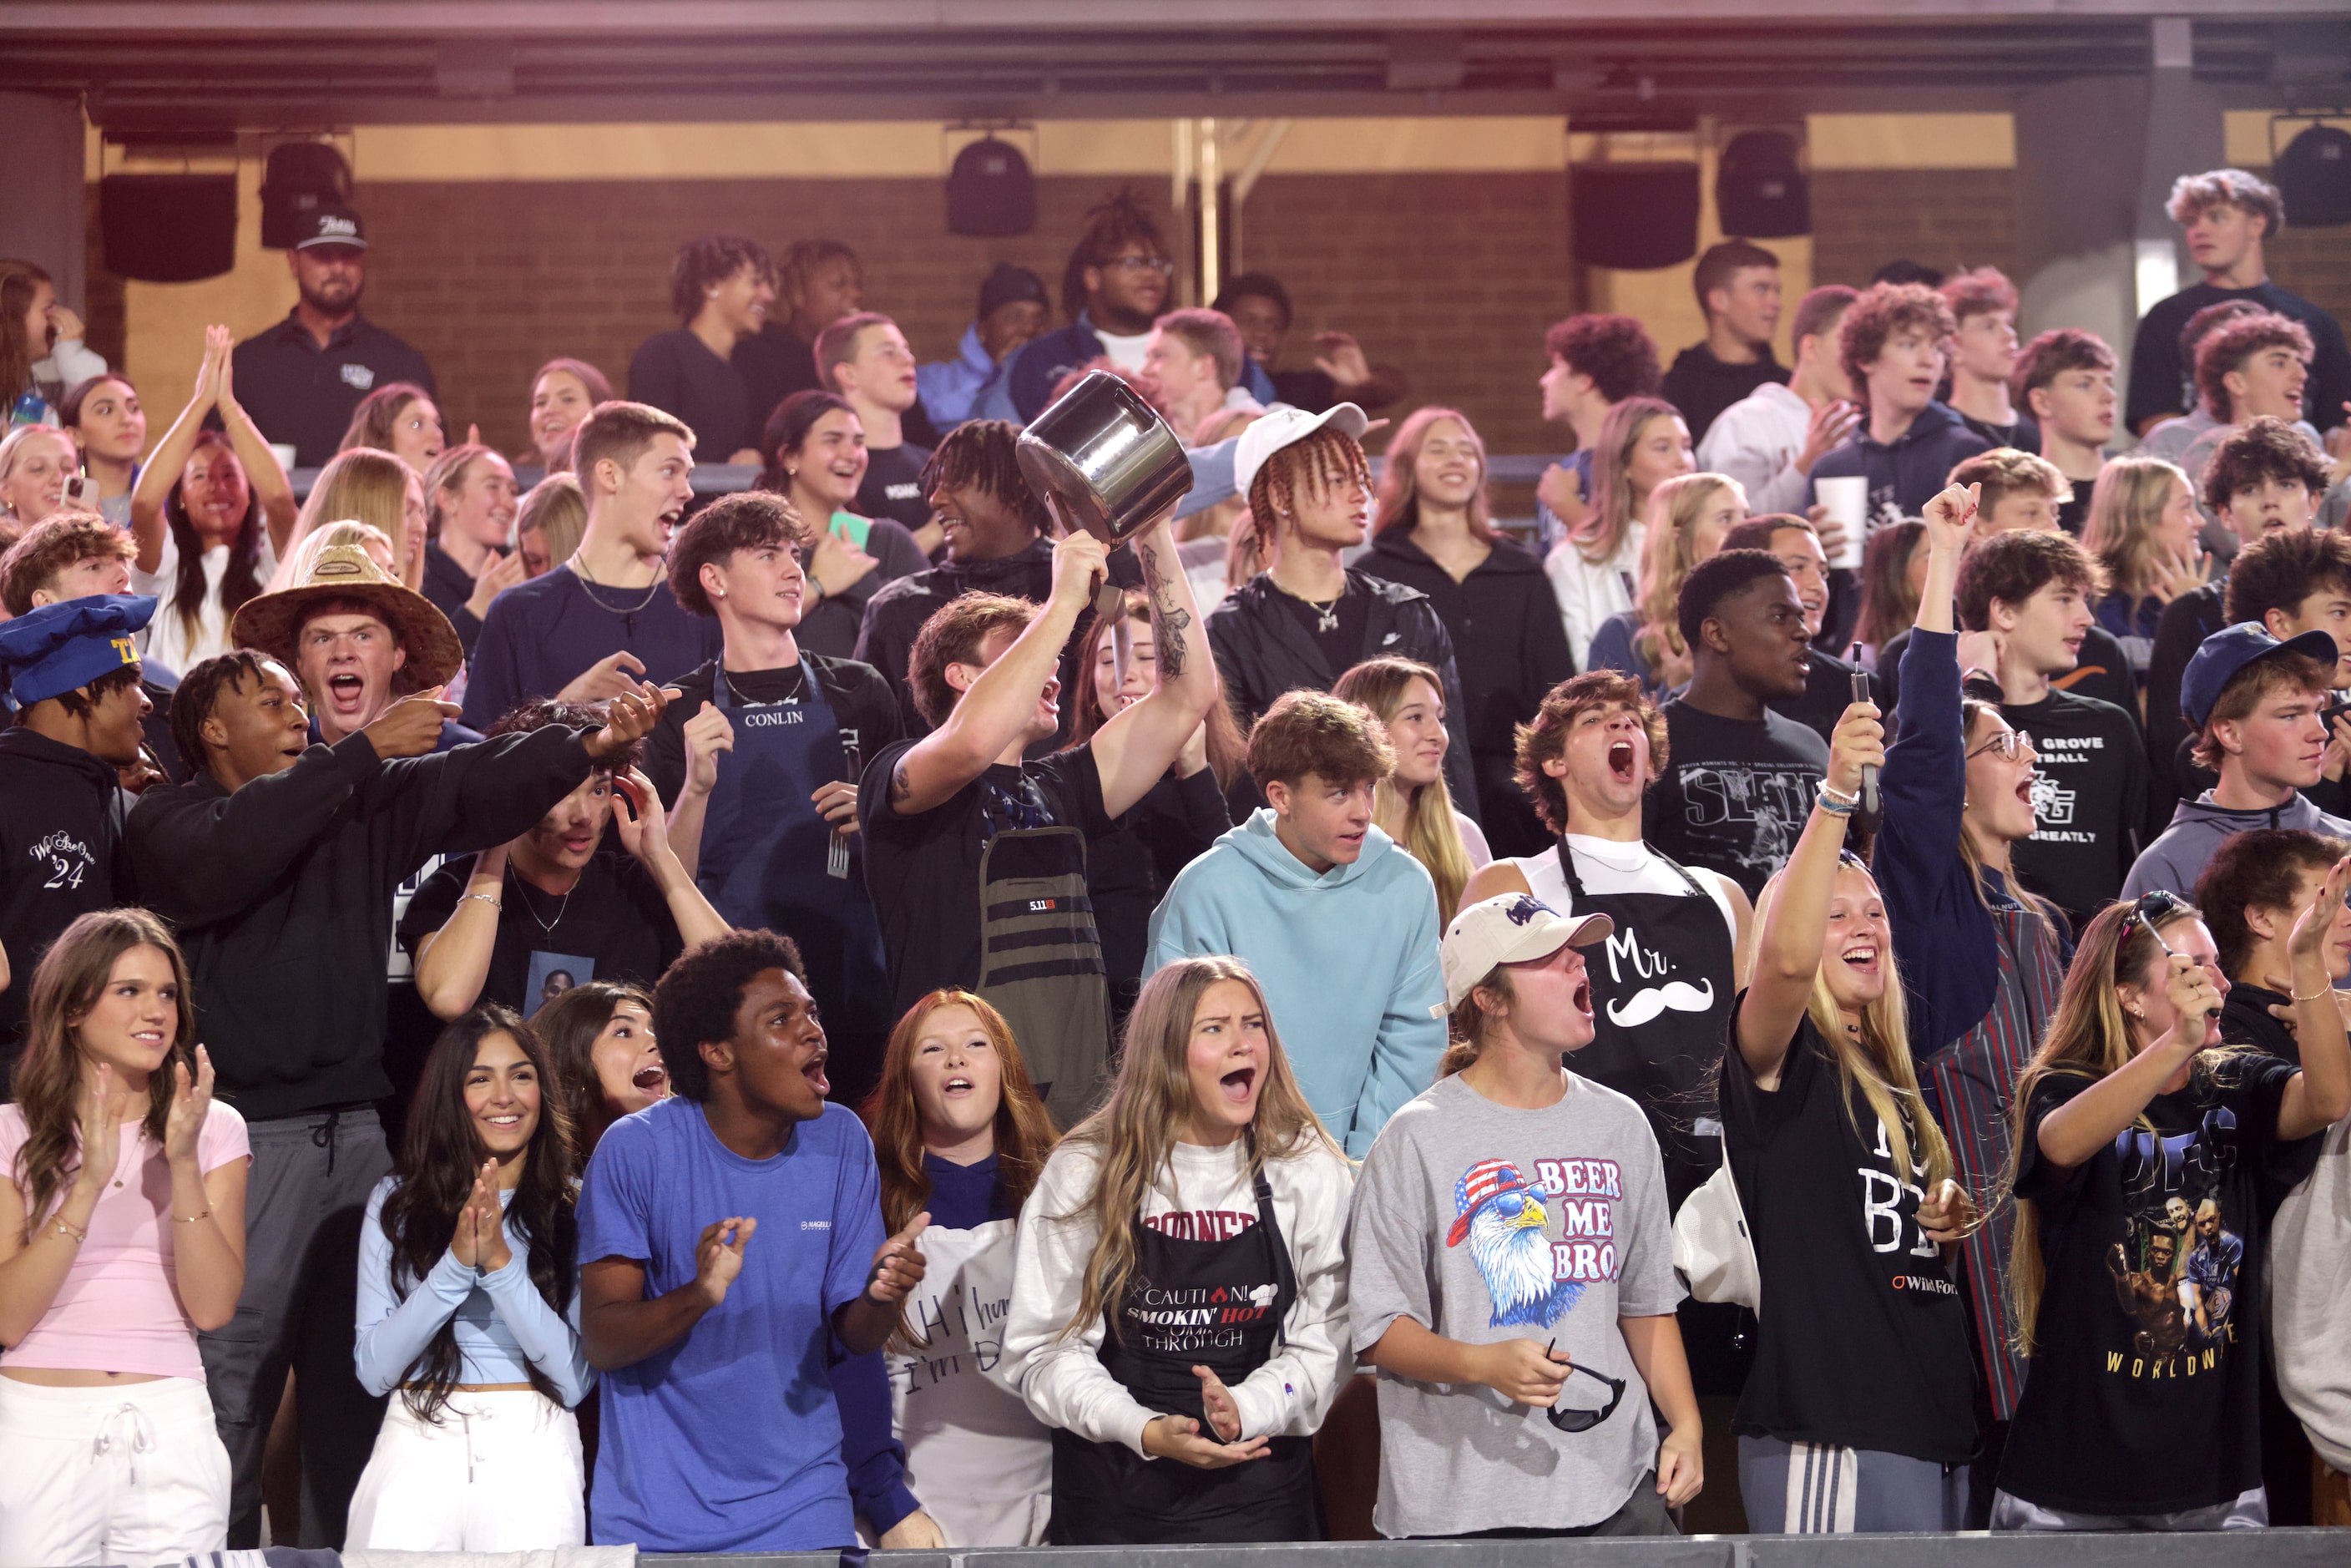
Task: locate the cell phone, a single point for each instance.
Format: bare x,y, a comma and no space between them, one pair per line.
81,492
1861,694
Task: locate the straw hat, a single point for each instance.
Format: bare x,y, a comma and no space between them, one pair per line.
271,623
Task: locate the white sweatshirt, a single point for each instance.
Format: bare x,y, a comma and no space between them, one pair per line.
1590,591
2310,1279
1064,1381
1755,441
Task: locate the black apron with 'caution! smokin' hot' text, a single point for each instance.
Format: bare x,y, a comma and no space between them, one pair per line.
1219,1304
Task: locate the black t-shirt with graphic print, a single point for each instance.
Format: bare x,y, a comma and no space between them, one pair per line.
1862,1341
1735,794
2089,801
2143,1390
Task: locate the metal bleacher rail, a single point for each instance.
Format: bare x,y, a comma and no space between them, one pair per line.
2219,1549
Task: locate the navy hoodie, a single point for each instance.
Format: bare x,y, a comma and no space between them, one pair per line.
1909,472
61,823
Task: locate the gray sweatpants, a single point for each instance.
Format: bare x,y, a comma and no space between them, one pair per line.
304,1203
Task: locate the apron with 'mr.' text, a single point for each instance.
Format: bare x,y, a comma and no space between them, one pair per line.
765,854
1661,993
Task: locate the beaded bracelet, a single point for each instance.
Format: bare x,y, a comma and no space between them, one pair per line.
1835,802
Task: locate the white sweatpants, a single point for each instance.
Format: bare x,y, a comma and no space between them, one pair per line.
132,1472
501,1472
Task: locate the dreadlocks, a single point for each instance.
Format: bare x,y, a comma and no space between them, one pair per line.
1327,458
983,453
1118,222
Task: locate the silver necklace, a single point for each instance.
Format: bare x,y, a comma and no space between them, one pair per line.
546,928
1326,615
588,583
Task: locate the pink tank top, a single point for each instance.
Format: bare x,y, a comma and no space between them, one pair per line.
118,1309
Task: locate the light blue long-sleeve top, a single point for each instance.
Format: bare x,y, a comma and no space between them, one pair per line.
504,1325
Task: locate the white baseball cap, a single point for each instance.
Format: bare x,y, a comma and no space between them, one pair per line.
1509,928
1286,426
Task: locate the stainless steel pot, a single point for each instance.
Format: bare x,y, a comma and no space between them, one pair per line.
1104,459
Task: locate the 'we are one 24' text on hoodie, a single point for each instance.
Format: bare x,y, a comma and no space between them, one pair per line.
1347,960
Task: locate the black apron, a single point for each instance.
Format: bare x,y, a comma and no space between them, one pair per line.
1670,1064
1040,962
764,865
1104,1494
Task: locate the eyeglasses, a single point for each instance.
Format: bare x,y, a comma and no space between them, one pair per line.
2009,743
1585,1420
1158,264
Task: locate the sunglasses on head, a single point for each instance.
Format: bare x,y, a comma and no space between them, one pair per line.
1585,1420
2149,909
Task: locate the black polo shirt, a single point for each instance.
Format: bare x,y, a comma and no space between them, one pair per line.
302,394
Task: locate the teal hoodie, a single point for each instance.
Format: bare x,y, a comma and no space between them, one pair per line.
1348,960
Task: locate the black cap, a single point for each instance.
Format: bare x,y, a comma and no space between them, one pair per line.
1009,284
330,224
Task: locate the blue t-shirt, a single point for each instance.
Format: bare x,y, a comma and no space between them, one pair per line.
730,1440
541,635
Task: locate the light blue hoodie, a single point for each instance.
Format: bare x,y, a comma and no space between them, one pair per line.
1348,960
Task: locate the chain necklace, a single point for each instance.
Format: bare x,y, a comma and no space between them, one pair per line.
546,928
736,691
1326,614
588,582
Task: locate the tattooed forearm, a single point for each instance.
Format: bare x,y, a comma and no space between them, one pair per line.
1168,618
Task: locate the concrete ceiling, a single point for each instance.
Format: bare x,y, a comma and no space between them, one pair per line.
193,65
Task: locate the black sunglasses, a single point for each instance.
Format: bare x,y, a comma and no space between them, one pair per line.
1585,1420
2149,909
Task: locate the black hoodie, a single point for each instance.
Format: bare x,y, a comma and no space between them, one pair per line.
281,893
61,823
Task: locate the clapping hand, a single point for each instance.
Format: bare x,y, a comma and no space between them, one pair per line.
479,1241
718,1255
190,1105
1216,1402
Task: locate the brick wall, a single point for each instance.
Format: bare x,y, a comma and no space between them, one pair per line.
1450,276
1945,218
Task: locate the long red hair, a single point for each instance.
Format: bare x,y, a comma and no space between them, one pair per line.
1024,1132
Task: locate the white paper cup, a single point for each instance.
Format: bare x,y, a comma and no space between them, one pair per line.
1847,500
284,451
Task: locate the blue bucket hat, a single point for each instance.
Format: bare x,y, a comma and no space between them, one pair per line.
63,647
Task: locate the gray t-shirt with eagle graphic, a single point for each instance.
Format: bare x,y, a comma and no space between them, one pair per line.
1484,1223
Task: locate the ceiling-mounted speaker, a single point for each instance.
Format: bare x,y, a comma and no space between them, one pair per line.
299,178
990,192
1633,216
1759,190
2313,175
168,228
